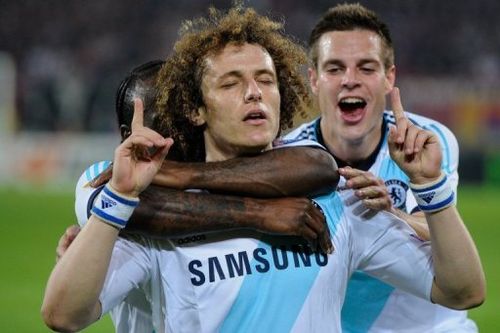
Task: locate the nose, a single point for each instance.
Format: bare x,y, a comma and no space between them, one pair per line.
253,92
350,79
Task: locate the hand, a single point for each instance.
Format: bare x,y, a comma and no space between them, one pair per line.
296,217
139,157
370,189
416,151
66,240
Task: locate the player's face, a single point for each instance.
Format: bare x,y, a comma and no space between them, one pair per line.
242,102
351,83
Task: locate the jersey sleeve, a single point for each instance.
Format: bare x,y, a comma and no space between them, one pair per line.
386,248
286,143
129,269
85,194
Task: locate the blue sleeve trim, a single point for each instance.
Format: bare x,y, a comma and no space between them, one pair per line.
432,187
108,217
121,200
439,205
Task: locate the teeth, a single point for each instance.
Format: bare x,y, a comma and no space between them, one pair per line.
351,100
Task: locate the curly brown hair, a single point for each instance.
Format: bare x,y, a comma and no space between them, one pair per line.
180,79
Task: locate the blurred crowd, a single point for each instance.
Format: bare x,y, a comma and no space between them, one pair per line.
69,56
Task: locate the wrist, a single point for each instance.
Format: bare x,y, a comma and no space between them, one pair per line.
420,180
256,214
434,196
114,208
116,189
177,175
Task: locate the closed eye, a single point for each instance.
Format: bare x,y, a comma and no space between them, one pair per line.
367,70
333,69
227,85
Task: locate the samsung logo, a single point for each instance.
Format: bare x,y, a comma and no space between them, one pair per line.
259,261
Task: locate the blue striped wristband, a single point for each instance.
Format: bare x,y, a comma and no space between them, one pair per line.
434,196
114,208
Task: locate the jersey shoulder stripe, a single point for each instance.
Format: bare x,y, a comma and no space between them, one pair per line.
84,193
304,131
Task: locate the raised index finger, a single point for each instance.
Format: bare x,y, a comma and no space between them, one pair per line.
397,107
138,118
399,115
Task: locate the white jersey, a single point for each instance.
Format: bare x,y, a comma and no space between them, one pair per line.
134,313
372,305
245,281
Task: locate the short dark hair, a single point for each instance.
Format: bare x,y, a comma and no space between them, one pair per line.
346,17
180,79
140,82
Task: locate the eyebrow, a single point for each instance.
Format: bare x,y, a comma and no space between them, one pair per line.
239,74
337,62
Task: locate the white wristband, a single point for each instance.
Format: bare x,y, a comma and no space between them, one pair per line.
114,208
434,196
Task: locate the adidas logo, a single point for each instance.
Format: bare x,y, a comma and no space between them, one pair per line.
107,203
427,197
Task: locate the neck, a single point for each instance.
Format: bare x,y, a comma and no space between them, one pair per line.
215,154
351,151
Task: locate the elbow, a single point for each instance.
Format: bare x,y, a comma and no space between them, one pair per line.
468,300
326,169
58,322
472,300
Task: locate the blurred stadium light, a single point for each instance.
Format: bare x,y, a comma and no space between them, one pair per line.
69,56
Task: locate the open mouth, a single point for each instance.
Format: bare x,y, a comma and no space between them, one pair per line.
350,104
255,115
352,109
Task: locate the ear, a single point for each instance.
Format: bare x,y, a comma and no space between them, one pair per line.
313,79
198,117
125,131
390,79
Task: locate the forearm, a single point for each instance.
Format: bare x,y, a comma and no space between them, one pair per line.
416,221
459,278
166,213
71,299
293,171
171,213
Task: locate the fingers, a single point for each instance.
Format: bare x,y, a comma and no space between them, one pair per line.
138,117
422,138
368,188
399,115
379,203
161,153
357,179
66,240
146,144
319,225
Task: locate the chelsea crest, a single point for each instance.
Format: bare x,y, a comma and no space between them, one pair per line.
397,191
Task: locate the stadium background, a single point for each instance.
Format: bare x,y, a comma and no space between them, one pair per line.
61,61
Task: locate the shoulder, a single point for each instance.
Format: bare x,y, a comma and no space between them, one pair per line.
286,143
304,131
93,171
84,193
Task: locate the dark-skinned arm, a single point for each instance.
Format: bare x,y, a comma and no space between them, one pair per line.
172,213
293,171
290,171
